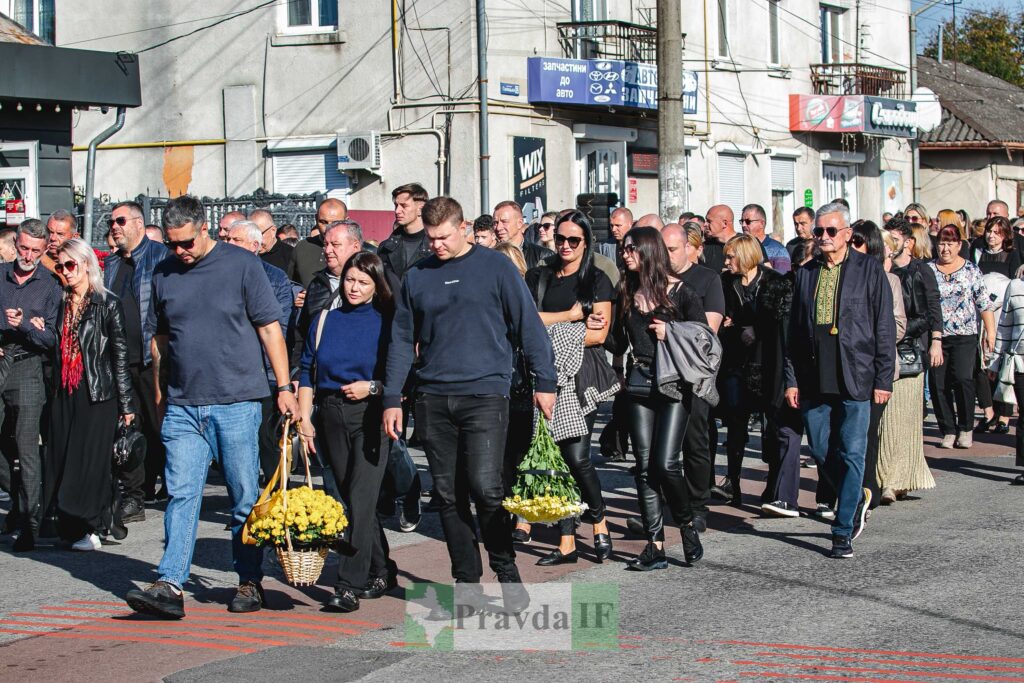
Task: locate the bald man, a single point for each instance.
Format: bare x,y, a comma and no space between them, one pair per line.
309,253
651,220
272,251
719,231
226,221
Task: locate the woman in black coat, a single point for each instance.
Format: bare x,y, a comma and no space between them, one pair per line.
92,387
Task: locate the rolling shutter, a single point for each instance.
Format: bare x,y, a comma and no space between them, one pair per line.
306,172
731,189
783,174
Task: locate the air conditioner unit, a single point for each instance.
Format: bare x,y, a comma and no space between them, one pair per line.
359,151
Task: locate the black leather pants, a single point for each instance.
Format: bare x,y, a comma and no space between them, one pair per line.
576,453
656,427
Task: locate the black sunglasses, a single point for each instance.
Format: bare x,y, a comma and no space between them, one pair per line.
181,244
573,241
858,241
547,226
629,248
119,221
832,231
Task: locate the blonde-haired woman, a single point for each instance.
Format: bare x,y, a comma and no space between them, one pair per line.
92,387
515,254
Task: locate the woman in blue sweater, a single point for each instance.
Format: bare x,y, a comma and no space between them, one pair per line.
341,370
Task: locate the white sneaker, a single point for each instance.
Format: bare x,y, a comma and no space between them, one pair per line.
825,512
87,543
947,440
965,440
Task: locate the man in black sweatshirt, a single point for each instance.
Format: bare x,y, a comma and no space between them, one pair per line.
464,308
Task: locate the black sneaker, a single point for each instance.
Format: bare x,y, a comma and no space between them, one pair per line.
249,598
860,517
161,599
521,536
651,558
514,595
25,542
723,491
342,601
692,548
780,508
132,511
377,586
842,548
409,517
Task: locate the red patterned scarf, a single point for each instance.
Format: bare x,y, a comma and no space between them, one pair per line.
70,350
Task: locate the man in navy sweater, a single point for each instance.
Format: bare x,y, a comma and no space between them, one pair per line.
464,308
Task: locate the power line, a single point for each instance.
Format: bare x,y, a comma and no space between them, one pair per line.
228,18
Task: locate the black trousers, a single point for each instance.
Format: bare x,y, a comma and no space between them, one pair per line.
464,439
698,465
22,398
871,454
576,453
952,383
141,480
270,450
352,436
656,427
781,446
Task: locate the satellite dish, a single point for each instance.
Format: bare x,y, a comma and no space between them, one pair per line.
929,111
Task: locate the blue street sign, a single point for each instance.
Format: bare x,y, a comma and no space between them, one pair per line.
511,89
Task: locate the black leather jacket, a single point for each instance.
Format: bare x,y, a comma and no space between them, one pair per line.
104,343
921,301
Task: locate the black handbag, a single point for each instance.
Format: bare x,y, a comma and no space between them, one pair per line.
639,380
910,359
129,446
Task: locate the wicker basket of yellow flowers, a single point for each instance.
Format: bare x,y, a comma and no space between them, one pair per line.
301,523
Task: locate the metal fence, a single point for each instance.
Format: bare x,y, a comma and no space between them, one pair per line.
299,210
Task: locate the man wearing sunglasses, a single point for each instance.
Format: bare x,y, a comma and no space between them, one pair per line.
509,226
754,222
212,314
841,357
27,292
128,273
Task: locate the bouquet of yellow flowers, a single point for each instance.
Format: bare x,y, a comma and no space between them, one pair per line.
544,492
311,517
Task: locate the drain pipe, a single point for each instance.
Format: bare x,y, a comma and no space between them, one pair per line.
90,171
481,67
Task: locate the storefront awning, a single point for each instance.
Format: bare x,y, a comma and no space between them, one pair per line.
42,74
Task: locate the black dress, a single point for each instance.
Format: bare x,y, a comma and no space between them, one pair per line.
79,455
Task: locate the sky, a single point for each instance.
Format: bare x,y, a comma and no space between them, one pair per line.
929,21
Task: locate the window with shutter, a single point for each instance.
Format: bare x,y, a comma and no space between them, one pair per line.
731,187
307,172
783,174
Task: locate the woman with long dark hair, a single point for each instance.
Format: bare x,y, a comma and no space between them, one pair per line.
92,387
342,368
867,239
650,297
570,289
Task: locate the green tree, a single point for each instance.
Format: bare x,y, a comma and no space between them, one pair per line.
991,42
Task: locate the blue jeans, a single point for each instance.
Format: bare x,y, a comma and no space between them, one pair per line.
192,437
837,430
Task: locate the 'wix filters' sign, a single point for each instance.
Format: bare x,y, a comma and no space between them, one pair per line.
530,188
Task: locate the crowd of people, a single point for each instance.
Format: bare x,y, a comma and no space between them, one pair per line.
470,329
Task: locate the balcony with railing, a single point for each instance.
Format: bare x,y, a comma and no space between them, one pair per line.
608,40
858,79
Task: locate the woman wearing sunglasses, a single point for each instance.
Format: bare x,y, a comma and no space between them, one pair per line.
867,239
92,387
546,231
570,289
963,295
649,297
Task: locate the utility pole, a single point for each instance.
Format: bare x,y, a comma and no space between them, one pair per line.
672,181
954,3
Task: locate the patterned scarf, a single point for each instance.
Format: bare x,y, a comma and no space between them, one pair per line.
70,349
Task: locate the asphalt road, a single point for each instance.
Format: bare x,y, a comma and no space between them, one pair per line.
933,593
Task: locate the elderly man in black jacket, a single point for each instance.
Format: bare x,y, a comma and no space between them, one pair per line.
841,356
509,227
